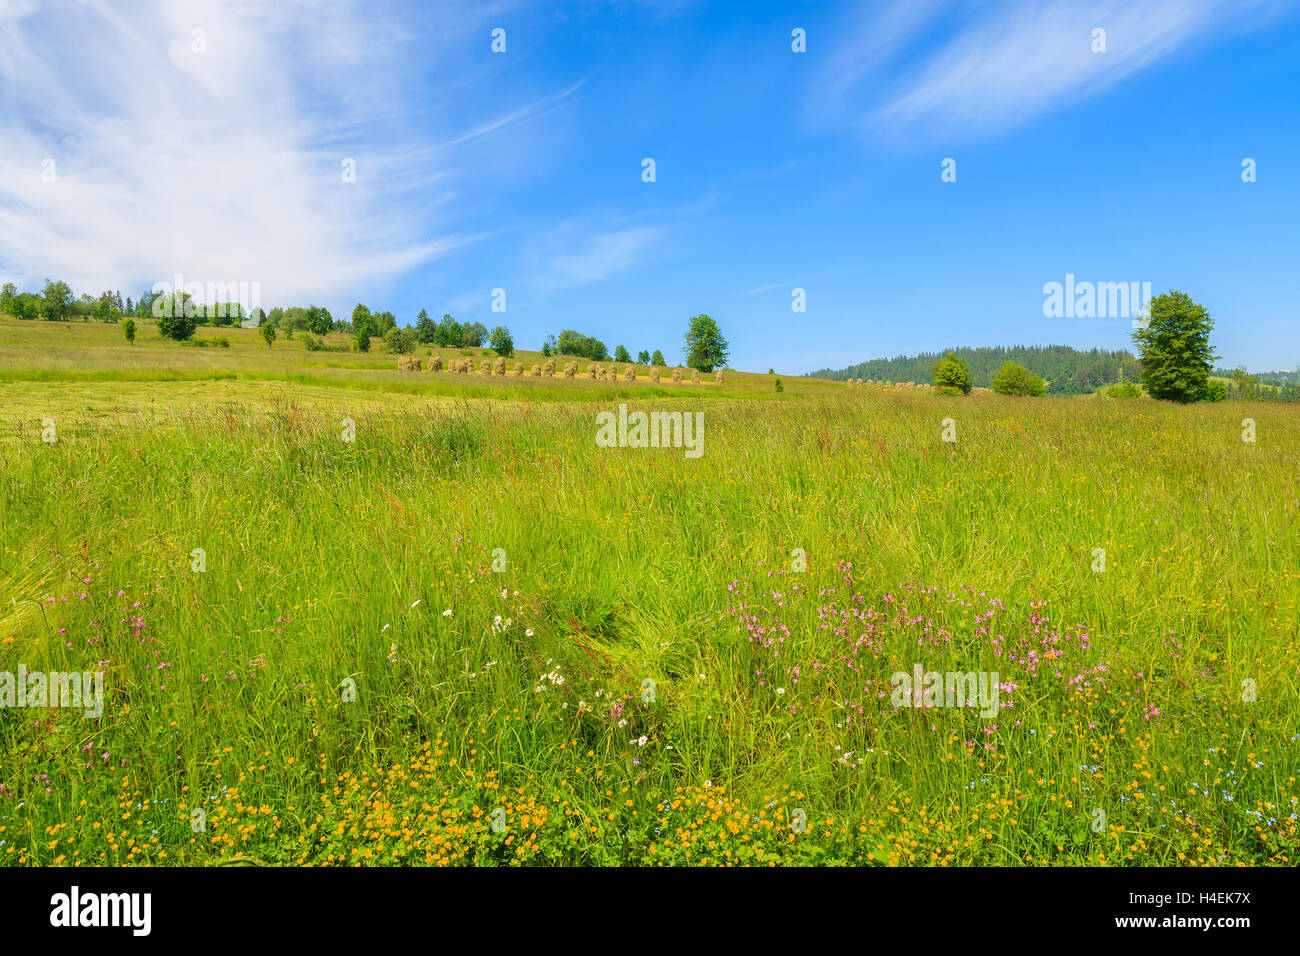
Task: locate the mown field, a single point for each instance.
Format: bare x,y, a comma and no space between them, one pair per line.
505,716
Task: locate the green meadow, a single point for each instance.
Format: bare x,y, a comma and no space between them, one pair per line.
348,615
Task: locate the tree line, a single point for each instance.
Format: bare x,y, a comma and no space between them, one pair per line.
178,314
1066,370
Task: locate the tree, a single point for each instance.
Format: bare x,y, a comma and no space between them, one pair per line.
643,357
399,341
621,355
27,305
705,346
657,358
268,333
56,300
575,343
7,293
1013,379
501,340
176,320
128,329
425,328
448,332
473,336
951,376
319,320
1244,385
1174,348
360,315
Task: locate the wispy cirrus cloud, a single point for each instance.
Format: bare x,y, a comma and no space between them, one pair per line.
936,68
573,254
209,139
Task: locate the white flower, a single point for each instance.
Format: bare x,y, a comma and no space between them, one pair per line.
780,691
503,592
622,723
528,632
707,784
641,740
447,613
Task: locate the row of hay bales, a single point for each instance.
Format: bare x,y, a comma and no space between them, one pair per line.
897,386
497,366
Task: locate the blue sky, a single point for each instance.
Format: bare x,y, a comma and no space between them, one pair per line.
218,155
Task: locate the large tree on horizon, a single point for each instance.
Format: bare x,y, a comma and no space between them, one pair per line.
705,348
1174,348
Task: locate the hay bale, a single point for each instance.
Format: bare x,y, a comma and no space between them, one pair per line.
537,371
677,375
405,364
548,370
717,377
485,368
570,369
435,364
695,376
593,371
499,366
611,373
630,374
654,375
519,368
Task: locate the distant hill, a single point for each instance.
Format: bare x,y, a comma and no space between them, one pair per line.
1067,370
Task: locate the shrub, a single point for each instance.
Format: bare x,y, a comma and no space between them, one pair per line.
1215,392
1123,390
268,333
950,372
779,386
1013,379
128,329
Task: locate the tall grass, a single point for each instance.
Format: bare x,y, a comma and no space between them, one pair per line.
331,561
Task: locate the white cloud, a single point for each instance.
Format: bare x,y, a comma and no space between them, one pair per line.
1001,64
221,164
593,257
